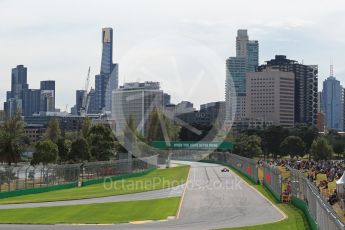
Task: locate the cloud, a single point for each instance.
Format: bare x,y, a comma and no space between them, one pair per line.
60,39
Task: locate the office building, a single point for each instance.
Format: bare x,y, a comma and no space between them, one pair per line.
27,101
332,94
166,99
14,98
250,123
34,132
91,100
2,116
19,82
215,111
246,60
32,102
306,82
319,102
47,102
48,85
107,80
270,97
137,100
184,107
79,97
320,122
13,106
67,122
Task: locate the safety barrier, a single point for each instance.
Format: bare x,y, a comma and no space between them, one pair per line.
320,213
272,180
25,180
247,167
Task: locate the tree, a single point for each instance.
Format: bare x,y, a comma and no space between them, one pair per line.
336,141
53,131
80,150
64,147
161,128
307,133
248,146
46,152
102,142
86,127
293,146
12,140
321,150
272,137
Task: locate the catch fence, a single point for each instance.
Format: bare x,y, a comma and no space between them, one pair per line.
246,166
272,179
26,177
318,208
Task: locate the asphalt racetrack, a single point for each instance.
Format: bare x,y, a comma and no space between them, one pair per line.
212,199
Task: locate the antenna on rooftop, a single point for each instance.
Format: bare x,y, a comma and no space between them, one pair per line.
331,68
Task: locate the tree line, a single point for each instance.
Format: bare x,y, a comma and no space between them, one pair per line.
92,142
277,141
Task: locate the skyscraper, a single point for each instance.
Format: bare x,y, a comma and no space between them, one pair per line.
332,96
305,86
32,102
270,96
107,80
19,85
138,100
47,102
79,97
48,85
246,60
28,101
19,82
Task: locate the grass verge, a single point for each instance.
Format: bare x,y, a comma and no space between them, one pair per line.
106,213
157,179
296,219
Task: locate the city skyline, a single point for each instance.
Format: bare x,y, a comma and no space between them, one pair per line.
76,44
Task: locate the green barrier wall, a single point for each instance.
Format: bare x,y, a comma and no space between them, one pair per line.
300,204
118,177
37,190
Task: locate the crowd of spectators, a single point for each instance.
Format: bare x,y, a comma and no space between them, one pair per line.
333,169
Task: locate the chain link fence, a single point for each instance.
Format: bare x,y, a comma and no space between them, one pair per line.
319,209
272,179
101,169
21,177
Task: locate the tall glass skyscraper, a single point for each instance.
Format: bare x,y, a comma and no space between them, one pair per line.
246,60
19,81
332,106
19,85
107,80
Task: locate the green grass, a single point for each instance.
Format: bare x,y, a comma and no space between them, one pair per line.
157,179
107,213
296,219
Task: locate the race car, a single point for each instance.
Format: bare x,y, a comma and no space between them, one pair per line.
225,170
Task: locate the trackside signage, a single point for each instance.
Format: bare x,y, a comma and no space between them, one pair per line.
195,145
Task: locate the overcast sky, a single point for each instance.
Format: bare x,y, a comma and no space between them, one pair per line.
181,43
